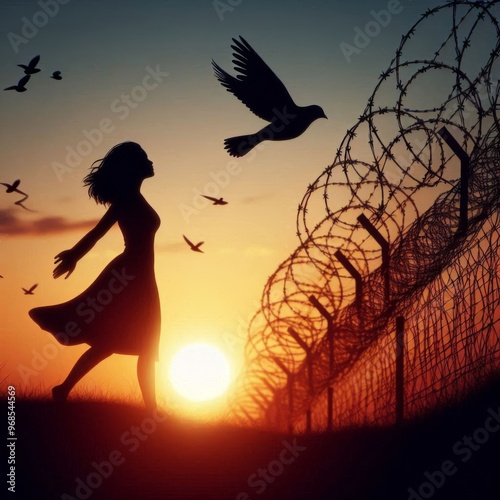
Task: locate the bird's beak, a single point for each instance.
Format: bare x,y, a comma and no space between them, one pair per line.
324,116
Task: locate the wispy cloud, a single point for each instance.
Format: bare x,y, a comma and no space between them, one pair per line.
13,225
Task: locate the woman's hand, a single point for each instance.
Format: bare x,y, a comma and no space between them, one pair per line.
66,263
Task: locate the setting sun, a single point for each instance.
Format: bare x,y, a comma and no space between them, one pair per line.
200,372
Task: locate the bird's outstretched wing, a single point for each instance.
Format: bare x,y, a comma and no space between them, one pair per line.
187,241
256,86
12,87
24,80
34,62
209,197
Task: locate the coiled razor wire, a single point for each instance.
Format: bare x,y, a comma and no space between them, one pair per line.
394,167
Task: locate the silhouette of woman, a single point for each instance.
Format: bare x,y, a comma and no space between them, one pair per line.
120,311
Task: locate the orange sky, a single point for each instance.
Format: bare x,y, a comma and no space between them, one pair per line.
181,123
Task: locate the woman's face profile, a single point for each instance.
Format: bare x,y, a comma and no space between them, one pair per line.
148,168
145,165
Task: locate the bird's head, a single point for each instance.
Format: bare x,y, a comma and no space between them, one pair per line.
314,112
319,113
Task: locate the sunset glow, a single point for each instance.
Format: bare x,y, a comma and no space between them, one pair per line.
200,372
148,78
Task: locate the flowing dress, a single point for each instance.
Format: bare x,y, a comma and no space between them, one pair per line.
120,311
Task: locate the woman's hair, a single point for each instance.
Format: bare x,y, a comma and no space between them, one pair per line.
112,174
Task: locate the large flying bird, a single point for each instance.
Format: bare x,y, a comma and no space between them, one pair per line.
264,94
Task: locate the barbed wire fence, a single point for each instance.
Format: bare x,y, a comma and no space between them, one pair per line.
390,304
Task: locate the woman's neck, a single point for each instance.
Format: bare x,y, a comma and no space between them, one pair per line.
127,194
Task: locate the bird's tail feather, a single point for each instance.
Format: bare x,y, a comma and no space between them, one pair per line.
239,146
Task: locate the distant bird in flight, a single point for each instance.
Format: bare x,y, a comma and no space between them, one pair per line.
20,87
30,291
194,248
12,188
216,201
56,75
31,69
265,95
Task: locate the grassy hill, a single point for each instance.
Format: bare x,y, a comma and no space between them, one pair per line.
102,450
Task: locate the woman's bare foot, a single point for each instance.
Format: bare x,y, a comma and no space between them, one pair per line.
59,393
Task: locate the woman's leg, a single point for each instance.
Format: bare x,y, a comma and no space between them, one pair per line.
146,377
87,361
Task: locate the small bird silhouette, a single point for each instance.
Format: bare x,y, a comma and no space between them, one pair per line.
56,75
30,291
194,248
31,69
12,188
20,87
216,201
265,95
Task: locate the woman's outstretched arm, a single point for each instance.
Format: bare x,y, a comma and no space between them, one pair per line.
67,259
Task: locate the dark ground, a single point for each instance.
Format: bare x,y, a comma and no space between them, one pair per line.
59,443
